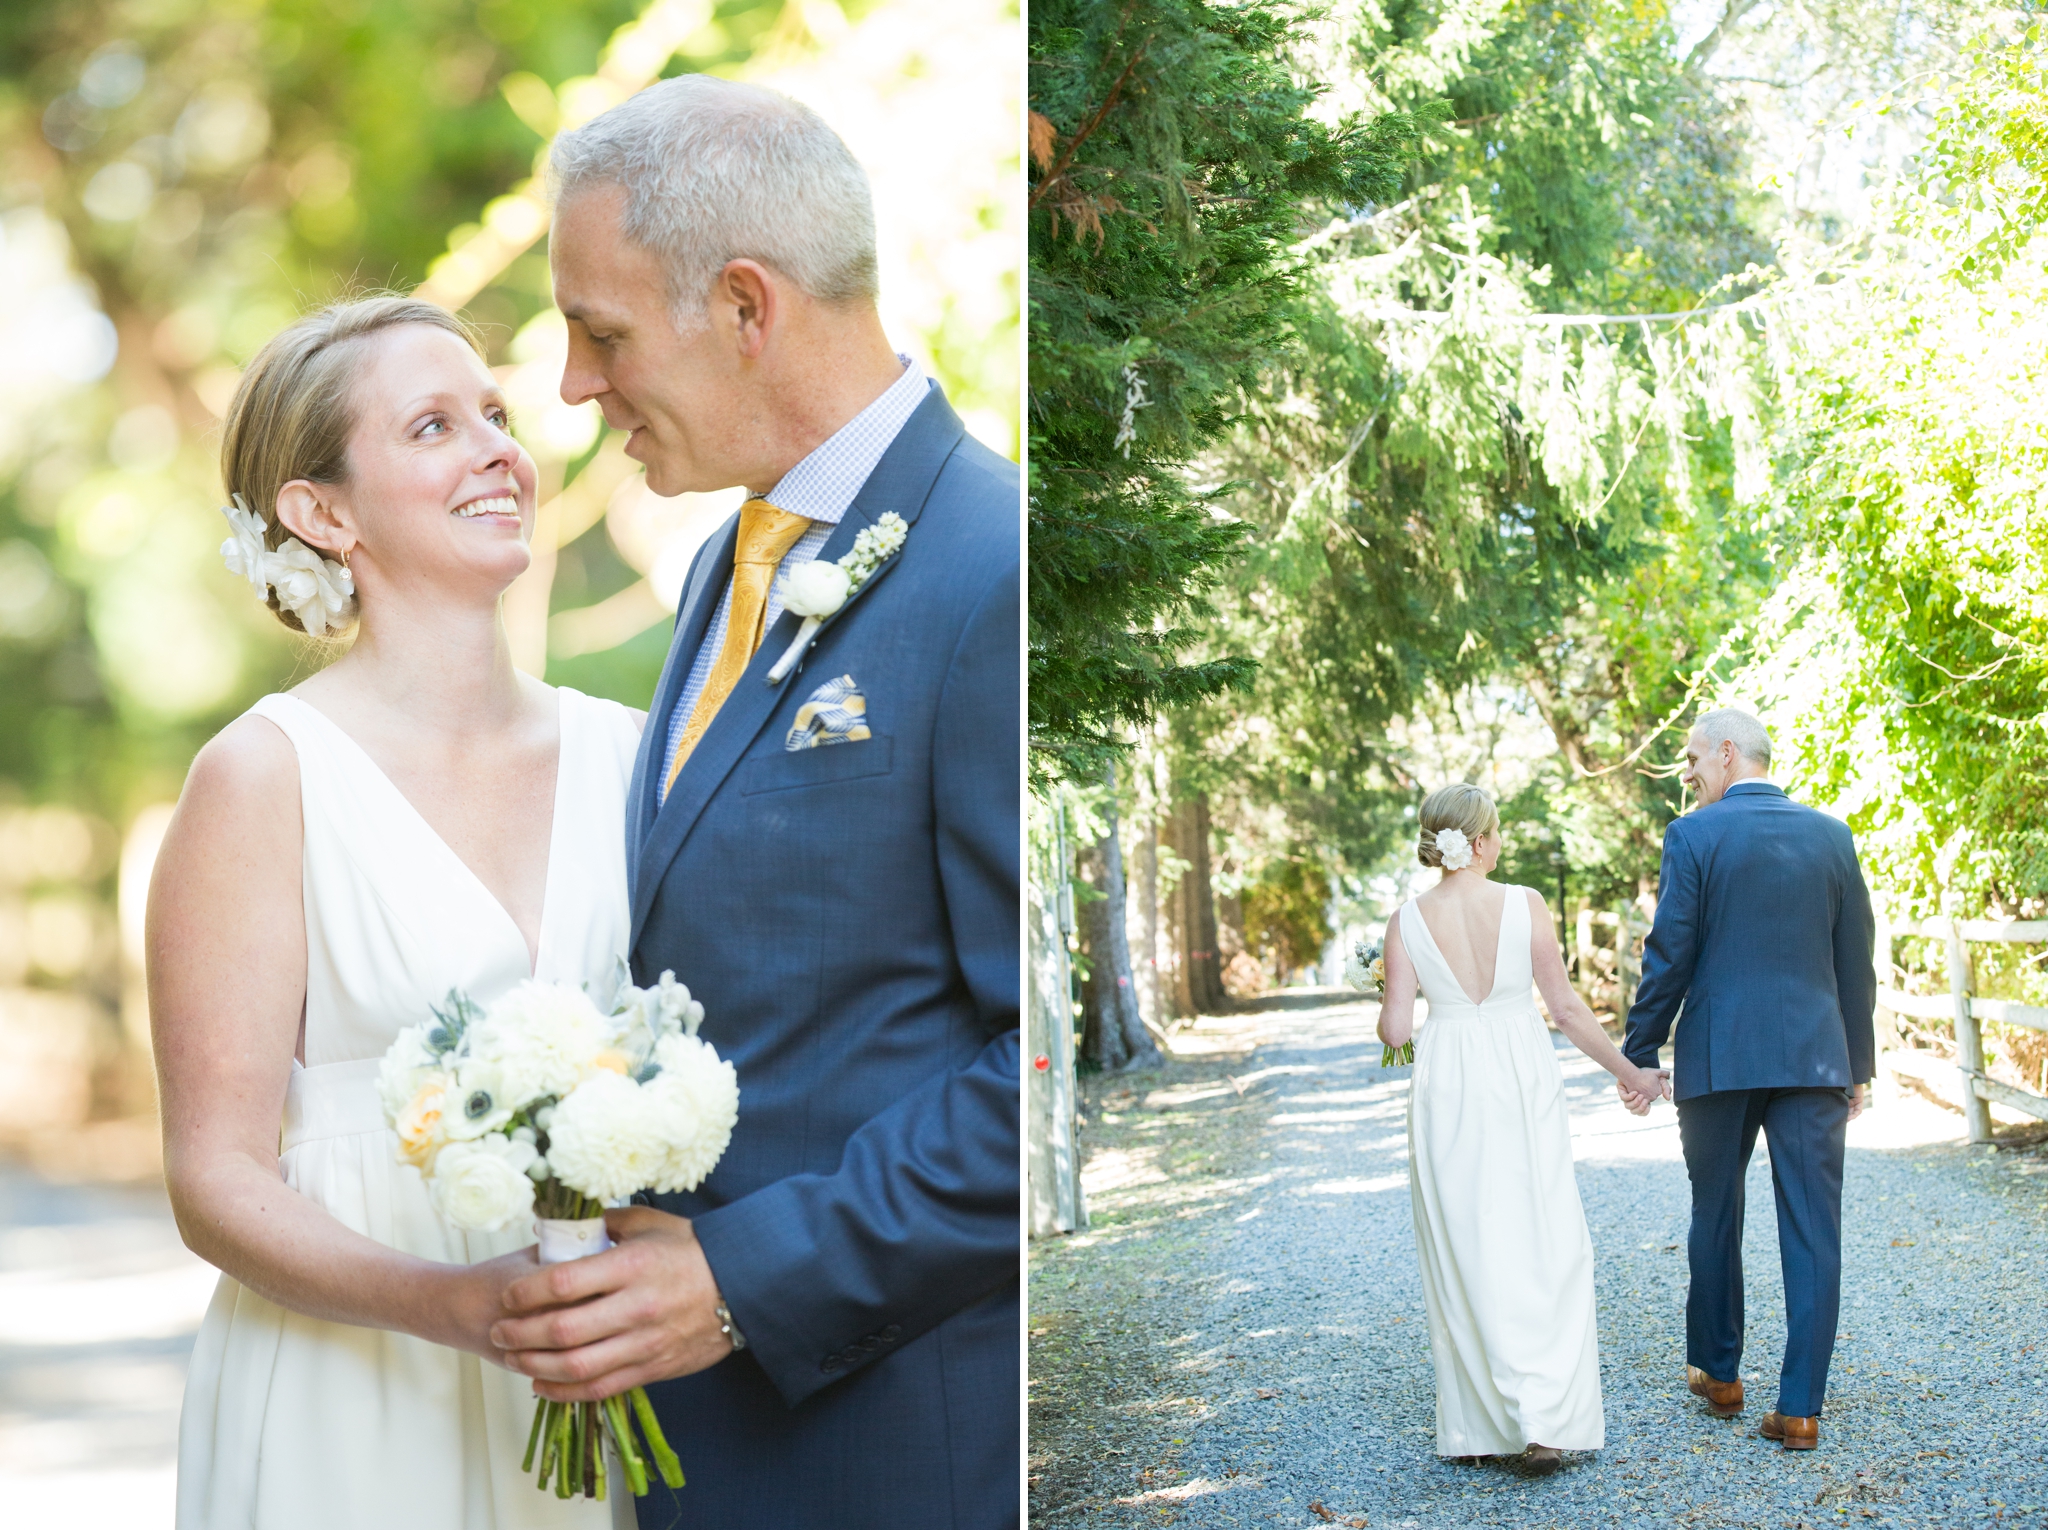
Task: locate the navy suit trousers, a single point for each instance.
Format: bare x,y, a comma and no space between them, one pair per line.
1807,1131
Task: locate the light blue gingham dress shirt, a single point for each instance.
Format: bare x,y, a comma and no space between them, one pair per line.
819,488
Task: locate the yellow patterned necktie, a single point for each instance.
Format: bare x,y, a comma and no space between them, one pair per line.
766,533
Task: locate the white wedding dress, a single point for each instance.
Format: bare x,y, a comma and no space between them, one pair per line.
1507,1265
291,1423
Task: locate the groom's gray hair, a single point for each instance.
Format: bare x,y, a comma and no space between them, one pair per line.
1734,726
715,171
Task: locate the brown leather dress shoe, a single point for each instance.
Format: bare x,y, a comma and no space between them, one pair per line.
1541,1460
1724,1397
1792,1433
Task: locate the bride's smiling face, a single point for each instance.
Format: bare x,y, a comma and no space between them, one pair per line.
439,496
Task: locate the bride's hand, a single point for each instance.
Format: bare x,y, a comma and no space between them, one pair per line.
475,1299
1640,1088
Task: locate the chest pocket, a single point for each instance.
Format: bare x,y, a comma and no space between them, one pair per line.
792,770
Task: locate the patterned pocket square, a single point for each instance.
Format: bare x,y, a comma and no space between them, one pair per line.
837,713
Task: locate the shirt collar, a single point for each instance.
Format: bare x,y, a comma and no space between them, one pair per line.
822,486
1756,785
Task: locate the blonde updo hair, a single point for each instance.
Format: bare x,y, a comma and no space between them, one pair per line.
1463,807
295,409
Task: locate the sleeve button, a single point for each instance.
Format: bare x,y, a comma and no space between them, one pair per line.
892,1333
830,1363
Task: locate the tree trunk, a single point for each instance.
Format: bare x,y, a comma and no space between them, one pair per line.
1114,1030
1151,991
1191,913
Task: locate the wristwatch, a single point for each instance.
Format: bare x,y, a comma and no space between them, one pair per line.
728,1327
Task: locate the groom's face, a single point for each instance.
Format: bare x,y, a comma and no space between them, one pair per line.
1709,768
678,395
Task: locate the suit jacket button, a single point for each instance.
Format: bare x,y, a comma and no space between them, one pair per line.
830,1363
891,1334
870,1344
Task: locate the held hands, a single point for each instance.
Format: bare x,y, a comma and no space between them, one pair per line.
1640,1088
637,1313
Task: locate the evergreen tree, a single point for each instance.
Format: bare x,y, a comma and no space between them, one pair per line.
1174,160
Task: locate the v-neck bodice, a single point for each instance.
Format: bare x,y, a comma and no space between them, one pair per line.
395,918
1512,972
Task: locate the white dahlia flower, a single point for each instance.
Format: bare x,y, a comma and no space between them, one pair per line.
483,1185
696,1100
604,1140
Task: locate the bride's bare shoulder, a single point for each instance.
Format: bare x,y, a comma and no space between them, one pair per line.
245,778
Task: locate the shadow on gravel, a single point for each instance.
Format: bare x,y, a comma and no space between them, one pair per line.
1239,1338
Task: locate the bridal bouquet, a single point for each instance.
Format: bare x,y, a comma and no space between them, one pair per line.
1368,969
545,1105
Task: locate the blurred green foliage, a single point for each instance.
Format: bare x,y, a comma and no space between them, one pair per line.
200,172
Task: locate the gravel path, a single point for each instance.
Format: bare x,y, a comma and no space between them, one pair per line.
1240,1339
99,1304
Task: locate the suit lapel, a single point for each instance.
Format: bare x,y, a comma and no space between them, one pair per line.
710,572
900,482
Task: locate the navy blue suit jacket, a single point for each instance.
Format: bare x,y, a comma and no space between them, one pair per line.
849,916
1764,937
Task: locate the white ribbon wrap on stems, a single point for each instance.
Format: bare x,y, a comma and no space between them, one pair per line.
562,1239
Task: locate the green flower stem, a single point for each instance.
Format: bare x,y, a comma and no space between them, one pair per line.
597,1452
1397,1057
546,1410
622,1437
586,1447
540,1413
664,1459
568,1451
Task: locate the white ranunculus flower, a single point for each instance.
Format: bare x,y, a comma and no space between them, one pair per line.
696,1099
1453,849
604,1140
477,1104
483,1185
406,1063
315,588
542,1037
245,552
816,588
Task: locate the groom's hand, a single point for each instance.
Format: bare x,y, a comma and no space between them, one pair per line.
640,1312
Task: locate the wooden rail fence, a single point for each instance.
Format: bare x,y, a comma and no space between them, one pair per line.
1963,1005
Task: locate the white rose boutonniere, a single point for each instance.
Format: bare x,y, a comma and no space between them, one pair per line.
816,591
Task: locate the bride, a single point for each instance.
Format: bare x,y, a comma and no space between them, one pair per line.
1507,1266
417,816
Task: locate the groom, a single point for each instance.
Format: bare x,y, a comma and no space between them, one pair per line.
831,862
1763,936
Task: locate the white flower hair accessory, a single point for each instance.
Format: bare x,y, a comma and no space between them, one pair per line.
816,590
1453,849
314,588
